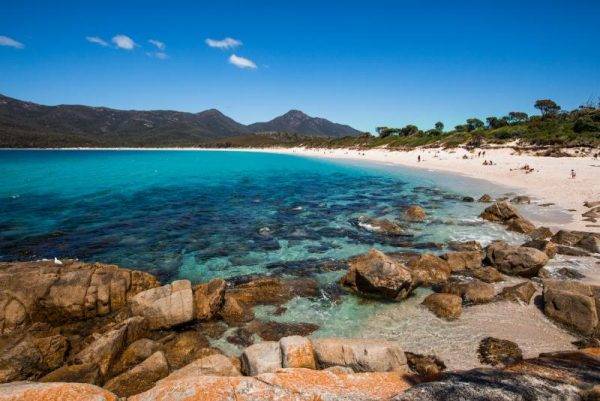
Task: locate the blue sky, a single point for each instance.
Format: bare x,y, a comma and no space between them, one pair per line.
362,63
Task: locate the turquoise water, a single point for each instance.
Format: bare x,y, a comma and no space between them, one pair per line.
206,214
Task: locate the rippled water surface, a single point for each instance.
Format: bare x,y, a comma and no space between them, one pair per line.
206,214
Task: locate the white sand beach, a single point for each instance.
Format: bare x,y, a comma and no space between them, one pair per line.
549,182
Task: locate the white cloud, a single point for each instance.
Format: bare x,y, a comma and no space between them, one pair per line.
96,40
159,45
158,55
10,42
241,62
124,42
227,43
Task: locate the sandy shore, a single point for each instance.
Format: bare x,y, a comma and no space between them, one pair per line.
550,182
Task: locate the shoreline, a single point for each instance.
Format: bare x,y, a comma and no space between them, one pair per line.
550,181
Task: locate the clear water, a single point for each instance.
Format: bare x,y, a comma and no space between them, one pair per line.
205,214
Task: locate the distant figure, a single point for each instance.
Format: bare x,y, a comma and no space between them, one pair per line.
573,173
485,163
419,158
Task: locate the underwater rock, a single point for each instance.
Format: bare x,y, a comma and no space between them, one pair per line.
494,351
415,213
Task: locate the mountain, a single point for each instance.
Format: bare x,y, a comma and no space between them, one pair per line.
295,121
26,124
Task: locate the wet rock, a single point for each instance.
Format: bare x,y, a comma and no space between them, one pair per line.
28,391
573,304
515,260
568,273
234,312
208,299
504,213
468,199
522,292
297,352
494,351
47,292
445,306
104,350
185,347
141,377
571,251
548,247
213,330
471,291
465,246
541,233
261,358
566,237
591,204
83,373
273,331
521,199
165,306
241,337
213,365
270,290
376,274
134,354
464,260
383,226
361,355
485,198
486,274
428,269
428,367
590,243
415,213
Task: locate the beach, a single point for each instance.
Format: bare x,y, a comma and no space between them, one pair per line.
549,182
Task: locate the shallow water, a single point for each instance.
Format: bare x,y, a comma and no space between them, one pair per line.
206,214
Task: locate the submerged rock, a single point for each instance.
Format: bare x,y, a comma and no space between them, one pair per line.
415,213
376,274
383,226
494,351
515,260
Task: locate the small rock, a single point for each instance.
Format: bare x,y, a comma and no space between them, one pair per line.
521,199
234,312
486,274
548,247
134,354
541,233
427,366
241,337
493,351
485,198
185,347
383,226
445,306
208,299
471,291
468,199
465,246
464,260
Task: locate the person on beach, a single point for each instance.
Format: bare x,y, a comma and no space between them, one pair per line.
419,158
573,174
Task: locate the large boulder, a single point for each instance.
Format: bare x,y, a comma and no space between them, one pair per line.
184,347
445,306
297,352
209,298
465,246
428,270
212,365
134,354
283,385
105,349
44,291
548,247
573,304
261,358
362,355
165,306
415,213
376,274
464,260
82,373
28,391
141,377
515,260
486,274
505,213
522,292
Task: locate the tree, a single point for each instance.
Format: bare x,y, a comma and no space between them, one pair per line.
516,117
439,126
474,123
547,107
495,122
379,130
409,130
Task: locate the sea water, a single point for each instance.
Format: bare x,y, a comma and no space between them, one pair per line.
205,214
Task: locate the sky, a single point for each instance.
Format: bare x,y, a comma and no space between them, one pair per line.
363,63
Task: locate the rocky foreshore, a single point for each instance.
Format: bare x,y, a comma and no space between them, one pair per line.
71,330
